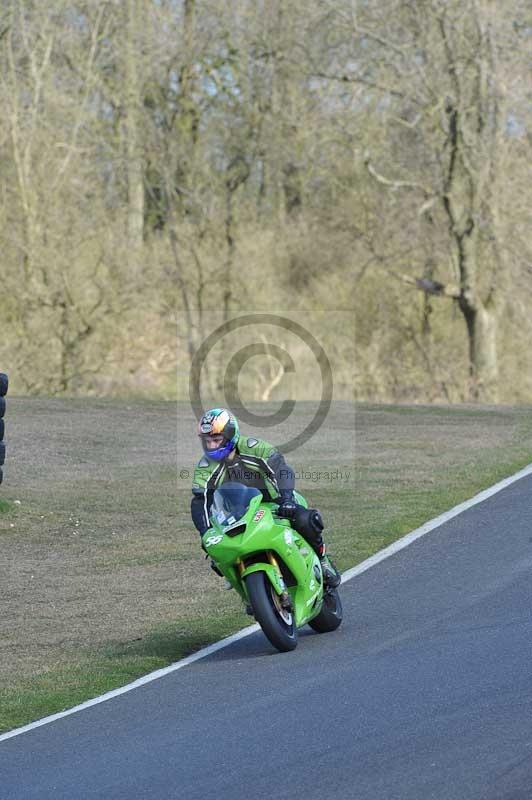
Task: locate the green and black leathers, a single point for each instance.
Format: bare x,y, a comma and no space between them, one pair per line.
256,463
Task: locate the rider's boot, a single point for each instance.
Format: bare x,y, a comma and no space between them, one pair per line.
331,576
213,566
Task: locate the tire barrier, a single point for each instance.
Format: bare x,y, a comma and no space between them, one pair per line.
4,385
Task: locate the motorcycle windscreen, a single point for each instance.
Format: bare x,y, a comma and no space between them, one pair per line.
231,501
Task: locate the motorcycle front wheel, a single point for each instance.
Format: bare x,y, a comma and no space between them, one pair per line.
277,622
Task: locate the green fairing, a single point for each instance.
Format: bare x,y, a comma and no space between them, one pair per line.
269,534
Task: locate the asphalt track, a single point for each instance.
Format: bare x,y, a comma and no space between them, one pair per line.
424,692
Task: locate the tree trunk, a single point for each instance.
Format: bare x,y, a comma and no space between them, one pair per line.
483,370
134,144
473,119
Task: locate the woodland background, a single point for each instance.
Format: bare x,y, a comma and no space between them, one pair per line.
168,165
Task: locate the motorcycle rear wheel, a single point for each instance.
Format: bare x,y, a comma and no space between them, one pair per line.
331,613
277,623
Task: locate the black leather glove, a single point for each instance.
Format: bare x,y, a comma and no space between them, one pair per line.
287,509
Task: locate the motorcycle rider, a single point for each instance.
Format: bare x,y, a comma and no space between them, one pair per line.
230,456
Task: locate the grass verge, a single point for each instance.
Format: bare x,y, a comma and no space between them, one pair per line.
116,665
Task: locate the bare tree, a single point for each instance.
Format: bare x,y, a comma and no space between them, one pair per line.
436,68
169,164
134,11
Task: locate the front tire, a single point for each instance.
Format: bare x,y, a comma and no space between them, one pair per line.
277,623
331,613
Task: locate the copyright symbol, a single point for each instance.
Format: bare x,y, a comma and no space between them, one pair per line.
184,474
240,358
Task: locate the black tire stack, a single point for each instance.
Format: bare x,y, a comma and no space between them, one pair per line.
4,385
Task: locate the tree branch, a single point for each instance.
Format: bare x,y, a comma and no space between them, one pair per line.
394,184
429,286
364,82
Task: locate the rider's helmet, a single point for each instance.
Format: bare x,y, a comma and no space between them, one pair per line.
218,431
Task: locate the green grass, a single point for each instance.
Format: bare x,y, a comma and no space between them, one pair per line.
397,511
135,541
5,506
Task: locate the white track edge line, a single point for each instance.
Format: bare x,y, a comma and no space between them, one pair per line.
151,676
400,544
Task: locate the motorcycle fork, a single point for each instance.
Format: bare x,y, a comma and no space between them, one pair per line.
284,597
271,558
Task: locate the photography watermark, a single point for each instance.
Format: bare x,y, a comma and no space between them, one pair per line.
311,475
319,475
236,363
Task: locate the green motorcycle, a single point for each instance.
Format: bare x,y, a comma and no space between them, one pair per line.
270,565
